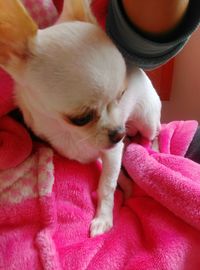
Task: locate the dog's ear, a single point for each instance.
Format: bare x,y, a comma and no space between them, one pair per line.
77,10
17,29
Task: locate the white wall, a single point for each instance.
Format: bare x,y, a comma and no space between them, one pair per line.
184,103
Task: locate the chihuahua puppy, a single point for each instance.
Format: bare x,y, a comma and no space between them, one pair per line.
74,91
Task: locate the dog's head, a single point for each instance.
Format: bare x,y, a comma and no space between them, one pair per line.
76,73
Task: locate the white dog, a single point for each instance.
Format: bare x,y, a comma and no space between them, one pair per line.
74,91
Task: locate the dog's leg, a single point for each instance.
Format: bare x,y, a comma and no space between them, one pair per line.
141,105
111,160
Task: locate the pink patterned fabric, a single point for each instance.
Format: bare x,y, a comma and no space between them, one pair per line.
42,11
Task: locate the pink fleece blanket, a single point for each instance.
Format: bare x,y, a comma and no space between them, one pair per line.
47,203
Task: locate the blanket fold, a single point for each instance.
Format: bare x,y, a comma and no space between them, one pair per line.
172,180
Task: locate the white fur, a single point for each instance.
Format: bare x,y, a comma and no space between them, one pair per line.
141,105
74,66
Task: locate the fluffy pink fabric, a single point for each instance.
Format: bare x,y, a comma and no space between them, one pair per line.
47,203
171,179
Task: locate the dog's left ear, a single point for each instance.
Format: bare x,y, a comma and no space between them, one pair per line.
17,29
77,10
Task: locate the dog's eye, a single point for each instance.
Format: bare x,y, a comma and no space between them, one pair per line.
83,120
121,94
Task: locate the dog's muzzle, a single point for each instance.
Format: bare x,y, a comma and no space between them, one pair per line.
116,135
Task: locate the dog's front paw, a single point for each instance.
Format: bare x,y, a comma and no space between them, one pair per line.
101,225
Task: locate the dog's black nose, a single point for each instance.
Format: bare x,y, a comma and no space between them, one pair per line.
116,135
